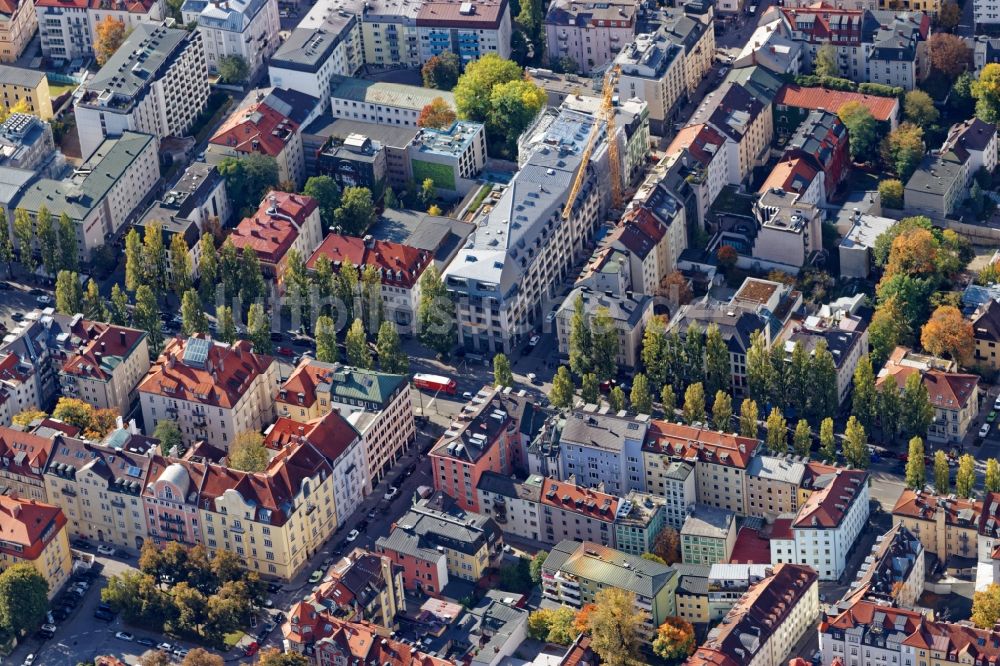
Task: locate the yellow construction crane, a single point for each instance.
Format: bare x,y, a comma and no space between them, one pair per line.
605,112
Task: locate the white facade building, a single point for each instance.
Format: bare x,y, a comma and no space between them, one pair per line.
246,29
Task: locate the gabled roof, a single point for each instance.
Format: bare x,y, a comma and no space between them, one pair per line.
882,108
986,322
924,506
689,443
256,129
273,228
827,506
398,264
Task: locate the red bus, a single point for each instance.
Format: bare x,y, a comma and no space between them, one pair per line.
435,383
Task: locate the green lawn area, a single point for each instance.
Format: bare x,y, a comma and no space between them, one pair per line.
729,201
484,191
232,639
55,90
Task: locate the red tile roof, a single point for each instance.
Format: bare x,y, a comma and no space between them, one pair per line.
304,380
28,524
924,506
256,129
703,142
10,369
272,230
794,175
486,14
132,6
945,390
331,434
227,374
827,506
101,341
687,442
865,613
882,108
751,547
979,646
584,501
782,529
24,454
639,231
399,264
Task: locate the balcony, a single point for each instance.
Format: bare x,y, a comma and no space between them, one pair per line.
118,502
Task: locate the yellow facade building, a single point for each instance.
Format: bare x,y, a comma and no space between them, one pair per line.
29,86
35,533
945,526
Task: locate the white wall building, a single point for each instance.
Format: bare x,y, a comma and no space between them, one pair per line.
247,29
68,30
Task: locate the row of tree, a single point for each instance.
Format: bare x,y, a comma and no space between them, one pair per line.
54,239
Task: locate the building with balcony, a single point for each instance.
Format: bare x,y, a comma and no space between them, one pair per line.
727,583
574,572
107,366
641,517
603,448
389,34
283,222
946,526
246,29
470,30
652,69
894,572
364,587
261,129
212,390
354,161
29,87
875,630
156,83
629,312
18,23
708,535
591,33
69,29
35,533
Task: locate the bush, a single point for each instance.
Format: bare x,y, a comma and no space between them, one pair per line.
880,90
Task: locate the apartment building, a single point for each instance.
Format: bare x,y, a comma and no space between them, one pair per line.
652,234
23,457
264,130
18,23
437,540
453,158
708,535
105,370
867,632
629,313
522,247
826,526
341,445
653,69
104,194
69,29
35,533
986,333
816,158
591,33
400,267
894,572
766,622
246,29
703,150
603,448
569,512
380,102
946,526
727,583
721,462
156,83
953,395
641,518
283,222
389,33
29,87
985,15
513,504
937,187
675,480
794,103
469,30
27,143
364,587
974,142
743,119
774,486
212,390
575,571
99,488
789,230
696,35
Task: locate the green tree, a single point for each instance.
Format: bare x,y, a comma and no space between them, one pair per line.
668,401
208,268
916,411
965,478
777,432
441,71
326,192
371,297
717,373
864,399
154,258
749,418
919,109
856,444
427,192
759,369
640,397
69,293
986,606
561,395
146,317
248,453
825,63
193,316
296,281
259,329
862,129
827,440
474,88
615,626
248,179
942,474
903,149
48,241
252,285
992,482
694,355
581,342
180,266
119,311
616,398
275,657
800,383
225,323
347,288
552,625
68,250
722,411
891,192
24,232
889,410
229,268
169,434
358,353
606,344
356,211
23,598
590,389
694,403
654,347
502,375
986,91
233,69
6,244
916,468
93,303
888,329
513,106
435,313
824,397
326,340
802,438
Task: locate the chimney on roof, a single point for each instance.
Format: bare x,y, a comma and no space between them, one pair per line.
369,241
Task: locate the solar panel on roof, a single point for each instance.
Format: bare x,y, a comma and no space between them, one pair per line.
196,352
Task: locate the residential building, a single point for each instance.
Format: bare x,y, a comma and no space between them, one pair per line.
380,102
328,134
876,631
697,37
767,621
106,367
727,583
312,630
641,518
490,632
819,149
364,587
900,54
170,498
156,82
68,30
598,447
975,143
283,222
953,395
824,529
769,48
856,259
985,50
894,573
794,104
591,33
946,526
569,512
986,333
720,462
677,479
452,157
937,187
789,230
629,313
26,87
355,161
652,234
35,533
23,457
708,535
774,486
212,390
705,151
389,34
522,247
18,23
261,129
246,29
632,130
744,120
99,487
27,143
513,504
342,446
106,192
470,31
575,572
376,404
400,267
436,540
692,593
653,69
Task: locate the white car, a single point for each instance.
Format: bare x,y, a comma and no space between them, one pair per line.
996,403
29,660
352,535
180,652
124,636
44,300
550,317
467,395
391,493
105,550
985,430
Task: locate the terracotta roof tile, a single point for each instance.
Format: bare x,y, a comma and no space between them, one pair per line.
584,501
687,442
256,129
882,108
272,230
399,264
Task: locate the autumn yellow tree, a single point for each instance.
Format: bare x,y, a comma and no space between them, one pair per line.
437,114
248,452
948,333
615,625
986,606
21,106
913,253
110,35
25,418
674,639
667,545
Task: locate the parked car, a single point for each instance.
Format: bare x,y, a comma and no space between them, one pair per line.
273,587
180,652
104,615
352,535
145,642
165,647
985,430
105,550
123,554
996,403
277,336
316,576
17,316
410,469
251,649
81,544
285,351
373,513
124,636
532,342
29,660
362,525
391,493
